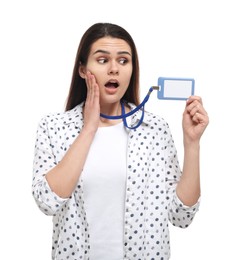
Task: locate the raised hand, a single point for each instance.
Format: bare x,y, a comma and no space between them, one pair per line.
92,106
195,119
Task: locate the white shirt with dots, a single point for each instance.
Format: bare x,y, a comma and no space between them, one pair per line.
151,202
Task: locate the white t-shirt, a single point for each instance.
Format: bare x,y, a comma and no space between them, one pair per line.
104,178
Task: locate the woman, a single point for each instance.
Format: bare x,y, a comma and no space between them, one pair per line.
112,190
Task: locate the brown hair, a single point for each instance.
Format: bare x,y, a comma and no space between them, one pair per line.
78,89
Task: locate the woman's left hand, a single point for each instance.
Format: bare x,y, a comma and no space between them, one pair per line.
195,119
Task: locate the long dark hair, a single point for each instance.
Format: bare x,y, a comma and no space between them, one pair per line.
78,89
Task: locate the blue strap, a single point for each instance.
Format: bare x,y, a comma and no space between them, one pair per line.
124,116
125,121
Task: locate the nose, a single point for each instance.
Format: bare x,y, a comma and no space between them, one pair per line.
113,68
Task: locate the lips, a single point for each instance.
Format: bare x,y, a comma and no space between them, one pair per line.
112,84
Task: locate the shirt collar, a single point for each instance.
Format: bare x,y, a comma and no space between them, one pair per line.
137,116
74,115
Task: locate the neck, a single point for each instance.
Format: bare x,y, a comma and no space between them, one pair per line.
110,110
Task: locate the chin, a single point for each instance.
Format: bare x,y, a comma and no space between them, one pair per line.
110,100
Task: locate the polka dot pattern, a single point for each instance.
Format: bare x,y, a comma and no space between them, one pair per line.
151,201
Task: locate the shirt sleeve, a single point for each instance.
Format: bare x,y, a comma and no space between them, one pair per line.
44,160
180,215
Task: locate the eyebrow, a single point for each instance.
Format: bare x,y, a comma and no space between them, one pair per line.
107,52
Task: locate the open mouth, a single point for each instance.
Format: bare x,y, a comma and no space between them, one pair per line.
112,84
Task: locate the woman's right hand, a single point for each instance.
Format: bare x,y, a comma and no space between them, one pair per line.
92,105
64,177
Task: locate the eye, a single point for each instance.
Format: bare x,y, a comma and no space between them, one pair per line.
123,61
102,60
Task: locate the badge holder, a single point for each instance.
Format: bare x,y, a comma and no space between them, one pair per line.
175,88
168,89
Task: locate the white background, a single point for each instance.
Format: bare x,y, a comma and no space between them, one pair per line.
38,42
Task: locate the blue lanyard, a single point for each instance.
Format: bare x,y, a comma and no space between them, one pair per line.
125,115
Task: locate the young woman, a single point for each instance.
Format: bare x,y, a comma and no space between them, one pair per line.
112,190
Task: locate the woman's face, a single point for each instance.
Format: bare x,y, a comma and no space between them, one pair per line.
110,61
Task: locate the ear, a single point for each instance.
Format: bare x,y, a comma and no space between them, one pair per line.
82,71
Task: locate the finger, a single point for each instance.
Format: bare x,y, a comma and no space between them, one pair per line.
194,98
93,89
193,109
194,104
201,119
96,93
196,117
89,86
197,108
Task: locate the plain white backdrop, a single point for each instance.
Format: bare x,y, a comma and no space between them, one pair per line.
38,42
